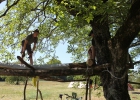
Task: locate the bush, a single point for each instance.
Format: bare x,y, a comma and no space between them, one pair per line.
15,79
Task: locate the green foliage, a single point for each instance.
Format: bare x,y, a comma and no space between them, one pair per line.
14,79
58,22
54,61
77,77
135,51
70,77
137,86
134,77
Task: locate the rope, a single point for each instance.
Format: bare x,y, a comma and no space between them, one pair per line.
112,74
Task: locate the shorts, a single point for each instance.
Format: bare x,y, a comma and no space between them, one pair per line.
28,47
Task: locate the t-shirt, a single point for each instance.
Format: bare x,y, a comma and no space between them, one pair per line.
31,39
93,42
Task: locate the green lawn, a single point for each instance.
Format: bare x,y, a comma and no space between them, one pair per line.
50,91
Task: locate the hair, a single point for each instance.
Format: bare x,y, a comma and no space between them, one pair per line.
91,32
36,30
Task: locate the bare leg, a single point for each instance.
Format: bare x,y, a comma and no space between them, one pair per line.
22,55
21,49
31,59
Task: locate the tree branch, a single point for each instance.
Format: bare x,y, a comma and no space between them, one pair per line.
135,44
36,8
137,62
131,26
15,2
1,1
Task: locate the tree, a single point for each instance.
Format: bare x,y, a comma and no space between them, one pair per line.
116,26
54,61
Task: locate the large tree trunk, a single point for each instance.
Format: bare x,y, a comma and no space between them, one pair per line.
115,79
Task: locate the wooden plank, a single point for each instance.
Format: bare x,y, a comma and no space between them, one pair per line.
20,59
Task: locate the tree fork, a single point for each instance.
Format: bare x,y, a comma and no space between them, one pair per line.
112,81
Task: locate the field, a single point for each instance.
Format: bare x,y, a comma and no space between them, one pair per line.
50,91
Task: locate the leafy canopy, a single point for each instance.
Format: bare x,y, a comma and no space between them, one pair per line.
58,22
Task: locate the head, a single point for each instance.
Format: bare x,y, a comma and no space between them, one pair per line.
36,32
91,33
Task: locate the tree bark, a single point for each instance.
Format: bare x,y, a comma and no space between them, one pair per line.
115,78
115,52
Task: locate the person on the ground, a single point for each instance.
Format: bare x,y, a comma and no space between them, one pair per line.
26,45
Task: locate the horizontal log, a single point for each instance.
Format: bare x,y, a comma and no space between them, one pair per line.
52,70
61,80
38,67
46,73
57,66
12,66
101,67
134,82
45,66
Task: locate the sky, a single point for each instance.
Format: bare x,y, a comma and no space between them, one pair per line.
61,50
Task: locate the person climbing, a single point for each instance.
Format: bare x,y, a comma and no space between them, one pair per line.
26,45
91,51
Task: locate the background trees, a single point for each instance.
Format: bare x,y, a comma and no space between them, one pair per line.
14,79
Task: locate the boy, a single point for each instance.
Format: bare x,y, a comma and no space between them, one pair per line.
26,45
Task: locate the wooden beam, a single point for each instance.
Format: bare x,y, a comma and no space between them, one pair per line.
60,80
134,82
52,70
45,73
45,66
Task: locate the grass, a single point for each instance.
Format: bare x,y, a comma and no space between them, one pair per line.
50,91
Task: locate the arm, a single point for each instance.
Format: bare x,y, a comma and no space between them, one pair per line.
93,52
90,52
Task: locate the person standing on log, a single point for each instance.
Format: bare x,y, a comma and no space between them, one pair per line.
26,45
91,51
